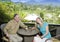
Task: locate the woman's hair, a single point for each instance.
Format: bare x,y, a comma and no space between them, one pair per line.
40,19
15,15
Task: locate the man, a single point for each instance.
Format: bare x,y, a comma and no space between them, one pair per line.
12,27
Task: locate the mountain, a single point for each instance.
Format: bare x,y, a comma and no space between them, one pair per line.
43,2
5,0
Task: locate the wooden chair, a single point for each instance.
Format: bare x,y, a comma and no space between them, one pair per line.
4,38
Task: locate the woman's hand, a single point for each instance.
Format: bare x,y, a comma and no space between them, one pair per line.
41,37
33,28
37,35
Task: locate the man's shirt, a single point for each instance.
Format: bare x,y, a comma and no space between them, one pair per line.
13,26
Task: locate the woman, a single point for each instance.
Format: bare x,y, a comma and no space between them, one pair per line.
43,28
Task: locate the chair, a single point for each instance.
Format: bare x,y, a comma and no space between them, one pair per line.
3,35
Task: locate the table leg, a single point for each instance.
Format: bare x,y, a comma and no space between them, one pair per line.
28,39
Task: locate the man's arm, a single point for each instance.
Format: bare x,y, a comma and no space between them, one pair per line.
23,25
8,25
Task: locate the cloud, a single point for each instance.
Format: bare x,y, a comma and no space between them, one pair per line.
23,1
15,0
39,0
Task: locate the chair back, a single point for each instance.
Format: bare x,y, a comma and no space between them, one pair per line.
2,26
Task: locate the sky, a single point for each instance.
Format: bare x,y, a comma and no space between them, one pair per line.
34,0
54,2
15,0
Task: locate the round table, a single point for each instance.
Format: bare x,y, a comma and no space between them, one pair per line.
27,34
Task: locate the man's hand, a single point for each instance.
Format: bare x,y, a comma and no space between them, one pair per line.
7,36
26,28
